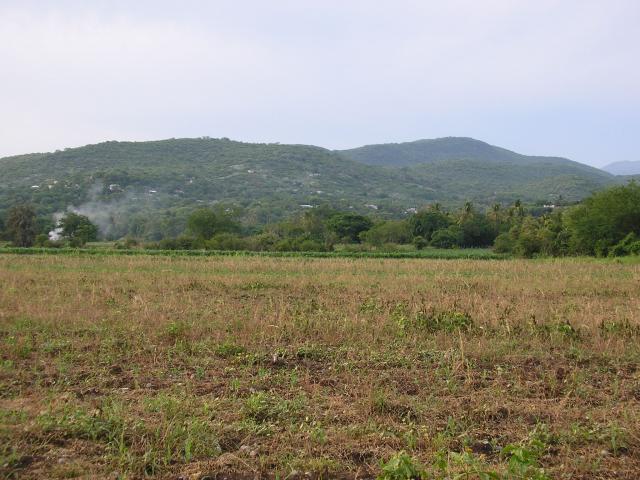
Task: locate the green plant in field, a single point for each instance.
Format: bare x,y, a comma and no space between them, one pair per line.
380,403
264,407
411,437
313,352
617,438
317,433
560,330
7,365
136,446
612,436
9,459
459,466
105,425
522,459
401,467
522,463
400,317
176,330
433,321
447,321
370,305
623,328
234,384
19,345
229,349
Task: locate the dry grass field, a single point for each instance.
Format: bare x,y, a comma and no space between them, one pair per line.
242,368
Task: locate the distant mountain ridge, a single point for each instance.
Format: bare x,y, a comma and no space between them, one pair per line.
448,148
159,181
623,168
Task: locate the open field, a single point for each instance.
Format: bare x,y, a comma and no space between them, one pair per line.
253,366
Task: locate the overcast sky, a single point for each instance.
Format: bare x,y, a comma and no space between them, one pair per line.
537,76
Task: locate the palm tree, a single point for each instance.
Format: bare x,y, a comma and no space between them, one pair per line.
496,213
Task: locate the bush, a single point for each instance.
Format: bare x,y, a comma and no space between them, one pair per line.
625,246
605,219
476,231
393,231
262,242
426,222
41,240
310,246
420,242
183,242
349,226
503,243
401,467
226,241
78,229
447,238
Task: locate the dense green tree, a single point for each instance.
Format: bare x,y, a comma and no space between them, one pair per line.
426,222
604,219
206,222
349,226
554,235
226,241
392,231
529,241
21,225
476,230
314,221
78,229
629,245
495,215
504,243
450,237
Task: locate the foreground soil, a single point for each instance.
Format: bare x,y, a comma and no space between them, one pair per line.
243,368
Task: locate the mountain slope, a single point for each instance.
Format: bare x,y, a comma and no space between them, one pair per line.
623,168
453,148
148,188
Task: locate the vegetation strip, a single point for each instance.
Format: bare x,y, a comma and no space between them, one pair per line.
477,254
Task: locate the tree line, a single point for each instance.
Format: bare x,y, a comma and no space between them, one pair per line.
605,224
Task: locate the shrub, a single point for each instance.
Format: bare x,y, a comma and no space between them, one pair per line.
401,467
262,242
41,240
183,242
447,238
503,243
420,242
226,241
625,246
392,231
448,321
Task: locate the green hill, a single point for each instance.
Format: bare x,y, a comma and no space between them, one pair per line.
466,168
148,188
454,148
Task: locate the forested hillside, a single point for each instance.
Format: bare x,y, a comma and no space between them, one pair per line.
148,188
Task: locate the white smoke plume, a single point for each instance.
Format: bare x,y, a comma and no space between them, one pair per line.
101,213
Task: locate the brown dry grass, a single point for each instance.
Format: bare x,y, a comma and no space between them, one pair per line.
266,366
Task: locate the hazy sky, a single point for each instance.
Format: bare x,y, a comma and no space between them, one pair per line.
537,76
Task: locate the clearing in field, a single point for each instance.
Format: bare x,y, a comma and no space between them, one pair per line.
321,368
